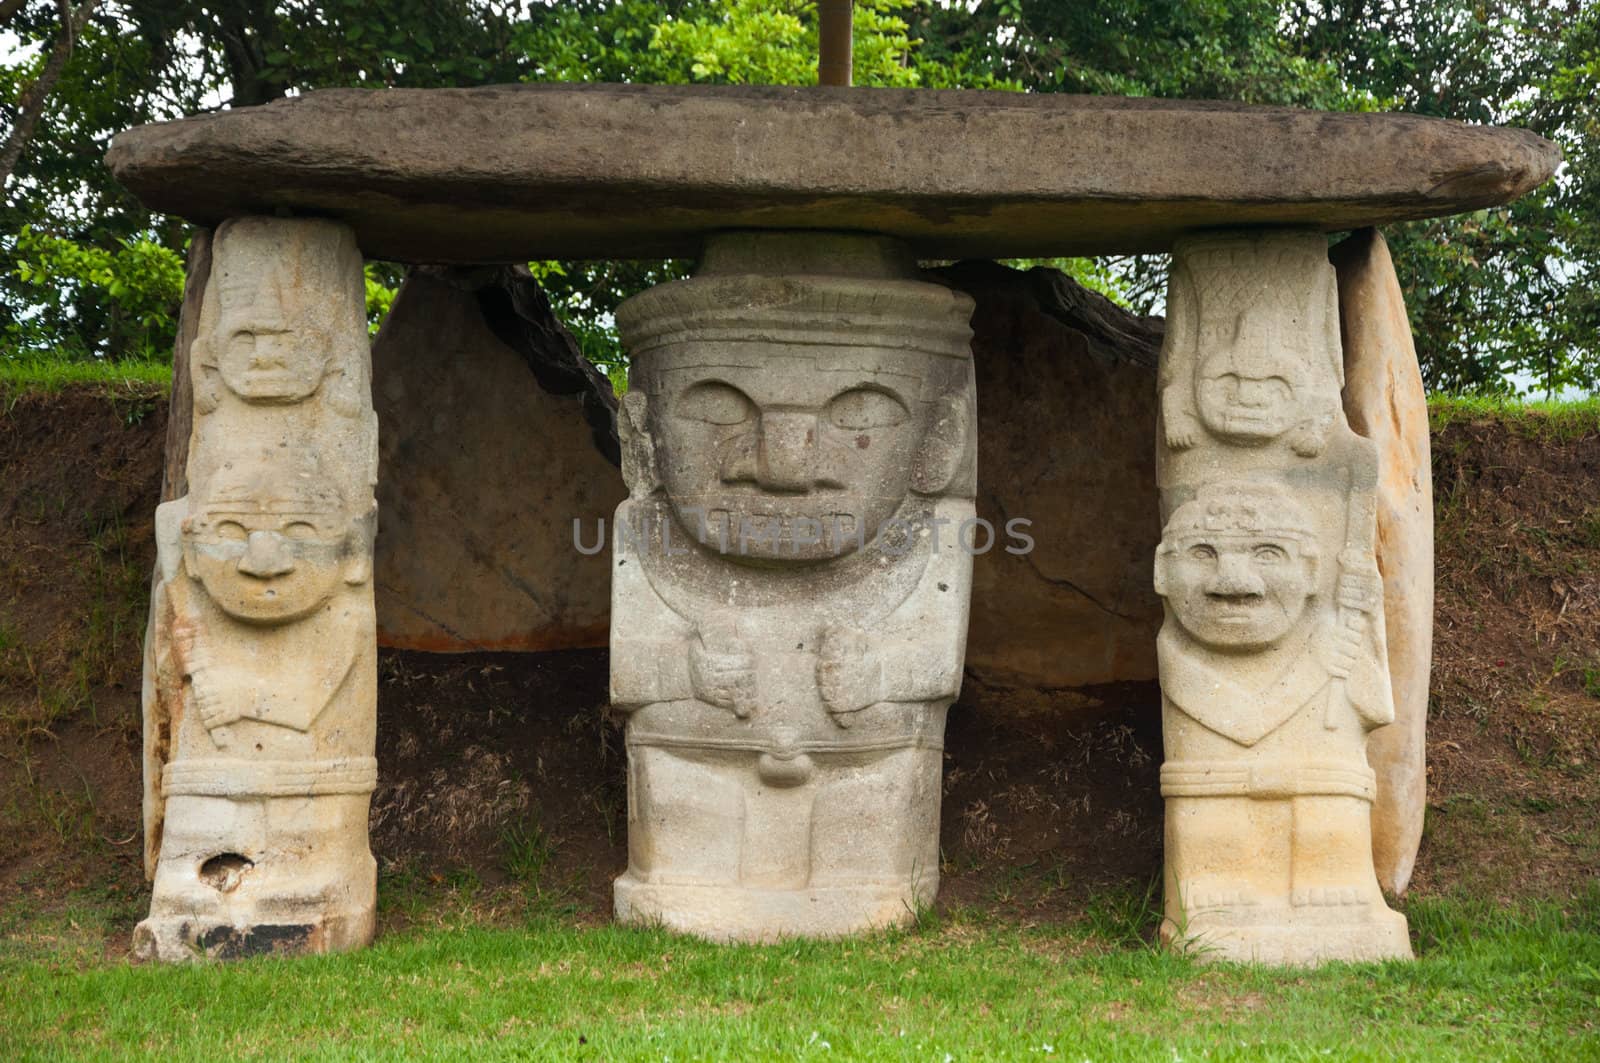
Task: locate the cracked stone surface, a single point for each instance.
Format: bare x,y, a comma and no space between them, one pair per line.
493,444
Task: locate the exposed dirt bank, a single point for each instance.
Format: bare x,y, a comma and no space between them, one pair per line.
506,768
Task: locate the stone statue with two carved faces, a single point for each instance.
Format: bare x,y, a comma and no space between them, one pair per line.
260,697
1272,659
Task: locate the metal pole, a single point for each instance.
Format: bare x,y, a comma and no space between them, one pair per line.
833,41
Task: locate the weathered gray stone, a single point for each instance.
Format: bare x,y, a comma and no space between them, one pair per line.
1066,399
261,699
180,420
1385,402
789,589
1066,423
1273,657
512,173
495,436
1067,412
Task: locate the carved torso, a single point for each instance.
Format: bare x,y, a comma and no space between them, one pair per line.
1287,701
896,602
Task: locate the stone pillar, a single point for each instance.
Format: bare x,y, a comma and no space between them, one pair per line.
261,684
790,585
1272,656
1386,402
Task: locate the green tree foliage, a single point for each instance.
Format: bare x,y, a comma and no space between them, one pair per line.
140,61
1195,49
1510,292
126,293
774,42
756,42
1506,291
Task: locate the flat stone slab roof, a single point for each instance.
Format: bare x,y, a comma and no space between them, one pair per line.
511,173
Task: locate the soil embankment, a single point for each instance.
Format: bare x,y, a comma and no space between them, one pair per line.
507,768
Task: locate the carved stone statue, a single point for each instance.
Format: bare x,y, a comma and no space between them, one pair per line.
790,590
1247,359
261,675
1272,658
278,321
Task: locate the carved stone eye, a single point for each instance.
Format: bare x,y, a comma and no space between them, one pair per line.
860,409
1269,554
232,531
299,529
1202,552
715,403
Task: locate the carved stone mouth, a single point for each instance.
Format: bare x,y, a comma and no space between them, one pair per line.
729,526
1236,610
270,382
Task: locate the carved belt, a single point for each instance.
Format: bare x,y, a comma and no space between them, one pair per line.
1221,778
778,747
269,778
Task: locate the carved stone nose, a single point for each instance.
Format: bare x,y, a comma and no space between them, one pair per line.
266,555
267,351
786,451
1253,393
1235,578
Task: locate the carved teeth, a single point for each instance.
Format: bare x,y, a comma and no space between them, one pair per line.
718,525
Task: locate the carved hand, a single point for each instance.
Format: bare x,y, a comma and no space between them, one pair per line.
849,676
722,671
1360,586
194,661
1182,427
1340,651
1307,440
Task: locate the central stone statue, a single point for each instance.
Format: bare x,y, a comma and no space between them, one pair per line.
791,583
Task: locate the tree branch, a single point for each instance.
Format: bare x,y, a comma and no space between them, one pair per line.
30,108
9,8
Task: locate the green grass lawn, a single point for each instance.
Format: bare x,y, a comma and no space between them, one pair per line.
465,978
35,376
1488,984
1557,421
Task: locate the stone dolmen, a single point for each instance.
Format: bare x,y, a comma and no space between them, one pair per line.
792,567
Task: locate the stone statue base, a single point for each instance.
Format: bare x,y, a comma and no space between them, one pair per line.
739,913
758,845
1293,937
244,877
259,932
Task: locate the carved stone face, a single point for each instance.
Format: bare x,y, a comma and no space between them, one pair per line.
1237,566
272,558
789,445
1250,396
1239,592
263,355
